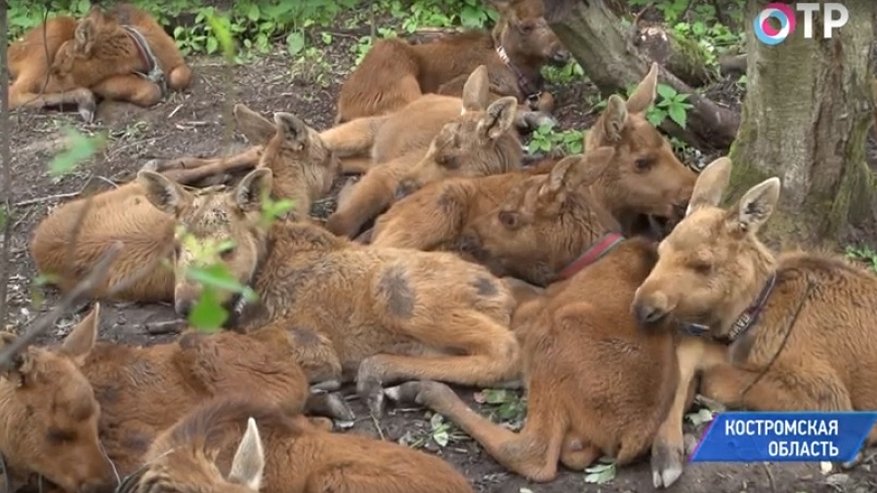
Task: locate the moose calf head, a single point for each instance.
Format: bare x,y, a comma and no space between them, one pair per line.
712,265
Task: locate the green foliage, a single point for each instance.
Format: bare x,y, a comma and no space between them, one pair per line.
545,139
570,72
80,147
601,473
864,254
670,104
24,15
508,407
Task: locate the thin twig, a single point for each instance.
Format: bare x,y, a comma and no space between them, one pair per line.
773,485
98,274
785,339
47,198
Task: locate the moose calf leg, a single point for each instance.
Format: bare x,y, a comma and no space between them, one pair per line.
132,88
179,77
492,355
668,447
532,453
81,97
189,170
354,138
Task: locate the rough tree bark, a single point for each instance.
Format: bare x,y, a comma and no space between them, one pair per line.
604,49
805,119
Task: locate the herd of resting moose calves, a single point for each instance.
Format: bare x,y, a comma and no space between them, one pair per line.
611,285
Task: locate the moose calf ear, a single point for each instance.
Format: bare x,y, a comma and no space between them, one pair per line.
710,185
255,127
499,118
644,95
248,464
293,129
476,90
253,188
165,194
81,340
757,205
616,118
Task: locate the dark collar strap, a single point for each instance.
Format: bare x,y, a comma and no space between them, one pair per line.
153,69
746,320
531,93
592,254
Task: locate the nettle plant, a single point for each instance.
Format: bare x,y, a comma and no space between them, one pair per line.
671,103
545,139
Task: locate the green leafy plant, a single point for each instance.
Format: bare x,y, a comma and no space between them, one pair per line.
601,473
80,147
545,139
507,406
671,103
864,254
563,75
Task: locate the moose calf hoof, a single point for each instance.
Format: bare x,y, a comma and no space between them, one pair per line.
666,464
337,408
326,386
371,391
87,110
424,393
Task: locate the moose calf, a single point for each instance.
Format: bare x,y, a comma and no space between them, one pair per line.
69,242
431,138
597,384
122,54
81,411
260,448
714,273
396,314
395,72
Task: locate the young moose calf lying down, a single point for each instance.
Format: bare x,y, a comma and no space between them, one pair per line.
242,446
78,414
798,330
387,314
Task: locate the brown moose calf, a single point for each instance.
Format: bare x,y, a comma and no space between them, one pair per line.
597,384
259,448
713,271
644,177
122,54
395,72
388,314
69,242
424,142
79,414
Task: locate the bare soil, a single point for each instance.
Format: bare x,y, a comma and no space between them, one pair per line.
198,122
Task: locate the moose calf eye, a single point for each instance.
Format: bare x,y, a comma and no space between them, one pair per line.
643,164
702,267
508,219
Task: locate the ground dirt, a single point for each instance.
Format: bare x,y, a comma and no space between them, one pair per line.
198,122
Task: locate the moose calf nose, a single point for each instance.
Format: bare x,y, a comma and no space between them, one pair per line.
647,314
561,56
183,307
470,243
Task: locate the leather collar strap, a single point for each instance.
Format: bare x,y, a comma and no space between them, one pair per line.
153,69
592,254
746,320
530,93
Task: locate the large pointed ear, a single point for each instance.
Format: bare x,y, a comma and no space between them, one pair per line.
756,206
615,118
80,341
710,185
84,36
253,188
644,94
255,127
165,194
476,90
499,118
294,130
248,464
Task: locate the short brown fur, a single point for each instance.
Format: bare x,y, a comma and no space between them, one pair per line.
395,72
282,453
304,169
399,307
644,177
711,268
597,384
93,56
426,141
129,394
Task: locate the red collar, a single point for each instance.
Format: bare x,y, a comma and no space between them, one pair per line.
597,250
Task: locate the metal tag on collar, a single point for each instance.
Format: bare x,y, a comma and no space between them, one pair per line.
534,98
695,329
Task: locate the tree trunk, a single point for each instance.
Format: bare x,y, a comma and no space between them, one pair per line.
806,117
605,50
